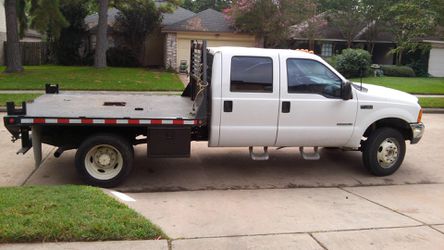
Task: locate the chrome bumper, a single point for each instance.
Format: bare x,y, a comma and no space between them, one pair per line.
417,132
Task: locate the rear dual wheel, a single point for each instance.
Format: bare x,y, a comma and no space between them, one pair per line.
104,160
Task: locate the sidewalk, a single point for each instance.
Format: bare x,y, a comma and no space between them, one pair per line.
374,217
378,217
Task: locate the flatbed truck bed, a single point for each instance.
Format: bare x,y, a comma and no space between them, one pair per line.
120,105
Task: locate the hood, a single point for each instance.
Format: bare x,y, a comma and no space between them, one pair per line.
388,94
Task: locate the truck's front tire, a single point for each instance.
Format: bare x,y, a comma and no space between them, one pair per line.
384,151
104,160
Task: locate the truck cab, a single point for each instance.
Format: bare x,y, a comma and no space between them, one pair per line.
288,98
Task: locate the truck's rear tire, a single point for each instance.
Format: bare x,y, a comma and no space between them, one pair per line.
383,151
104,160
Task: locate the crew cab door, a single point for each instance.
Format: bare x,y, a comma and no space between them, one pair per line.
250,99
312,112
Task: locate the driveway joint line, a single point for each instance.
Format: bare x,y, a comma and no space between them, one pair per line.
295,233
37,168
386,207
317,241
432,227
357,180
180,189
170,244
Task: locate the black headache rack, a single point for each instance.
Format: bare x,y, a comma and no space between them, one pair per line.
198,89
13,120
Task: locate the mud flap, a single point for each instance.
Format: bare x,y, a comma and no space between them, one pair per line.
37,145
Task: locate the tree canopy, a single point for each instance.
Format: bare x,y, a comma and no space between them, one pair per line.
200,5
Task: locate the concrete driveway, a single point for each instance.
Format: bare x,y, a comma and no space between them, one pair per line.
231,168
223,200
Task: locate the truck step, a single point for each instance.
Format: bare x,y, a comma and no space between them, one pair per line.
310,156
259,156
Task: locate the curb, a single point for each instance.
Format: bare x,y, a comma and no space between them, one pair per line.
433,110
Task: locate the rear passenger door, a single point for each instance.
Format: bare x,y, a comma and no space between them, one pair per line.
250,100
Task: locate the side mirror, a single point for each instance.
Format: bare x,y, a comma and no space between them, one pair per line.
346,91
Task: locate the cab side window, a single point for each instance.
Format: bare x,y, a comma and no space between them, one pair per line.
251,74
312,77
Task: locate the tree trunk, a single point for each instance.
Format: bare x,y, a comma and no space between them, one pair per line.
400,57
102,39
349,43
13,56
311,44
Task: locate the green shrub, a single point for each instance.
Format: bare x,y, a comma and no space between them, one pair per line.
394,70
121,57
353,62
331,60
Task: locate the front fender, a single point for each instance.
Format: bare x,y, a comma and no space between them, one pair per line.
366,118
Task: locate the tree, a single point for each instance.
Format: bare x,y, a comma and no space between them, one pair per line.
102,39
374,14
136,20
68,45
268,19
409,21
46,17
311,28
438,7
347,17
13,57
200,5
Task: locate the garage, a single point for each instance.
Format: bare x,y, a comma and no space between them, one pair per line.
436,59
214,40
207,25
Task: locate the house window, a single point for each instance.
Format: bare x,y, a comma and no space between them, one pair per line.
327,50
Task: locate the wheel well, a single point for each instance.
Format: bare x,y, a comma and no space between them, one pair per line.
395,123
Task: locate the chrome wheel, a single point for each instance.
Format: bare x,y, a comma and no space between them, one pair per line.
103,162
388,153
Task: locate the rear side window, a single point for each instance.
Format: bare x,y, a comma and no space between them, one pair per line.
251,74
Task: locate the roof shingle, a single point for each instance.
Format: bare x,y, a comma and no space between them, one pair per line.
208,20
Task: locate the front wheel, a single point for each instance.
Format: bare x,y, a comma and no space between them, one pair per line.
384,151
104,160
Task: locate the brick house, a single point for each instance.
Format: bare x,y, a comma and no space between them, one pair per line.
170,44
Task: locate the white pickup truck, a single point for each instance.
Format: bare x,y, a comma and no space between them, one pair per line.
237,97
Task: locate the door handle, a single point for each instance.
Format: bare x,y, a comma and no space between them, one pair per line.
228,106
286,106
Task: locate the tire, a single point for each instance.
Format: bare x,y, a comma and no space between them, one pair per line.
384,151
104,160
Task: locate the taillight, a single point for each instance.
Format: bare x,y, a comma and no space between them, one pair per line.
419,116
11,120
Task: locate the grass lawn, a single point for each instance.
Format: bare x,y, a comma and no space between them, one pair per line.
17,98
426,102
88,78
414,85
68,213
